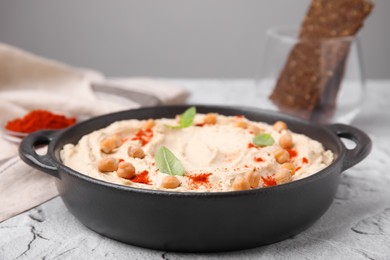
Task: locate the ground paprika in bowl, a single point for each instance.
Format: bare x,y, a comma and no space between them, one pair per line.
36,120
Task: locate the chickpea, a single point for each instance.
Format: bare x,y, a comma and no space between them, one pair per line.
253,179
126,170
170,182
241,124
282,156
280,126
210,119
255,129
136,152
282,176
149,124
110,143
289,166
241,183
107,164
286,141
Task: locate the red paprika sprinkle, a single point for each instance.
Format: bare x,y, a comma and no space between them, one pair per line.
293,153
298,168
305,160
142,177
258,159
38,120
268,181
250,145
197,180
144,136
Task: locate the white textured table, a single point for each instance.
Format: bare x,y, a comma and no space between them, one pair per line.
357,225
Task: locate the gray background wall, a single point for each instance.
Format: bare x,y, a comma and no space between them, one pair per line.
170,38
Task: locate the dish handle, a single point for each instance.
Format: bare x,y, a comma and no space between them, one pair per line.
27,151
362,140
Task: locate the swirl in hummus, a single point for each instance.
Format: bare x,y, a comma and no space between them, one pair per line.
217,152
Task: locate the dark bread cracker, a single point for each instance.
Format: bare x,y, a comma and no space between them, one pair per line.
308,84
334,18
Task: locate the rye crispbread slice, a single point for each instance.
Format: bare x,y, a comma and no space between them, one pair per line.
309,82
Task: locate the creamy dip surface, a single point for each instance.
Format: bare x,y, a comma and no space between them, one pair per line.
216,156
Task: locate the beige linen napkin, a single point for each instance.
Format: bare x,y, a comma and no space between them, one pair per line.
30,82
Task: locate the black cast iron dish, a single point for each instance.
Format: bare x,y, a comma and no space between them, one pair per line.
197,222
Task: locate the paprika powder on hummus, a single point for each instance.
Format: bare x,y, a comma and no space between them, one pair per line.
197,153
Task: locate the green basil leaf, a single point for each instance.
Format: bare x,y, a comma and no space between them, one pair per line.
263,140
167,162
187,118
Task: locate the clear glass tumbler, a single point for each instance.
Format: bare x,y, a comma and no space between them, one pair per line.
319,80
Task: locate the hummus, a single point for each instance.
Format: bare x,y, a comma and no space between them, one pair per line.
220,155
